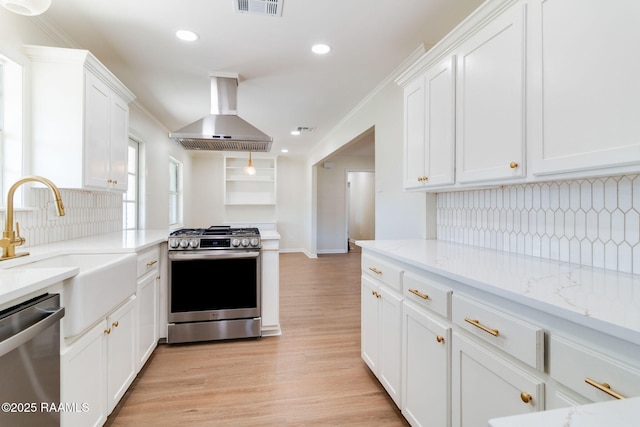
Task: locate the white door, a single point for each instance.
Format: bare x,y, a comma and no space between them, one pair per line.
490,131
585,67
361,205
426,369
487,386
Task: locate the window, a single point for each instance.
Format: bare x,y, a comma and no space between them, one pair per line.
130,198
175,192
11,125
2,106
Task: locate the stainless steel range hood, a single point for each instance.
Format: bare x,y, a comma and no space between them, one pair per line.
222,130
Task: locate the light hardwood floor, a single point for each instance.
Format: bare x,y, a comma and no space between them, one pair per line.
312,375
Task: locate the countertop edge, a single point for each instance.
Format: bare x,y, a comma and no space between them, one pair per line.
564,313
128,241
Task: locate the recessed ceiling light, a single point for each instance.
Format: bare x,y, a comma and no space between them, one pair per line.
284,150
295,132
187,35
320,48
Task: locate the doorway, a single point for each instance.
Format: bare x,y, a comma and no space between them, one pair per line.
360,207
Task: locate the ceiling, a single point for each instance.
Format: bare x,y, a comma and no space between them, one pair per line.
283,85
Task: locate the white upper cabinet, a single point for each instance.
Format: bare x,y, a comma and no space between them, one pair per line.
80,120
585,96
429,127
544,89
490,131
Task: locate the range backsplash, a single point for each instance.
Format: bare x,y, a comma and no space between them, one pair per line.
88,213
593,222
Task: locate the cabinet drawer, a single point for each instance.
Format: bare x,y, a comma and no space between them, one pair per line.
574,365
148,260
520,339
428,293
384,271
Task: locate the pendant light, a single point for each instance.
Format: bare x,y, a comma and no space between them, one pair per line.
250,169
26,7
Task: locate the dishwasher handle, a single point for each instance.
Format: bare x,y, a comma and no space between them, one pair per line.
31,332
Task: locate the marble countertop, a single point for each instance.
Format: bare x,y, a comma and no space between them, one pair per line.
604,300
619,413
17,280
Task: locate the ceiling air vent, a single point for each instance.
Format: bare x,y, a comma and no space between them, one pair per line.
259,7
305,129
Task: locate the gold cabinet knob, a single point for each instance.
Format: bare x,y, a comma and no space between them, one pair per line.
513,165
526,397
115,324
107,331
439,338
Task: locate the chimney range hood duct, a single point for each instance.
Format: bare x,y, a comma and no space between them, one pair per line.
222,130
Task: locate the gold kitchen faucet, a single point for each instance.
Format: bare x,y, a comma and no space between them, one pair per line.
10,237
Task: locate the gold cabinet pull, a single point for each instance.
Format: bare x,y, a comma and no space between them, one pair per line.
418,293
477,324
375,294
115,324
423,178
375,270
439,338
604,387
107,331
526,397
513,165
150,263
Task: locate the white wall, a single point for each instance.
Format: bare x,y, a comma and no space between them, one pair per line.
206,206
16,31
156,150
399,214
332,201
295,212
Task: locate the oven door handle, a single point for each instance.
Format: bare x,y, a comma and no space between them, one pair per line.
189,255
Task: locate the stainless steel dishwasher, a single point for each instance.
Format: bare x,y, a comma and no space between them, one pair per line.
30,362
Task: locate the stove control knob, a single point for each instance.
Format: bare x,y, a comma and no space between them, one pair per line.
184,243
255,242
193,243
235,243
174,243
245,242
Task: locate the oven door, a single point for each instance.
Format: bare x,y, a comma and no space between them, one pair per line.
213,285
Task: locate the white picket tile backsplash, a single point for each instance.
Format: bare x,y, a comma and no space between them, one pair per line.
87,213
594,222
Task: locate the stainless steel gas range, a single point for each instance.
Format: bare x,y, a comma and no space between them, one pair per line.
214,284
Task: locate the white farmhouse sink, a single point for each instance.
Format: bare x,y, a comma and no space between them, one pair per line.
104,281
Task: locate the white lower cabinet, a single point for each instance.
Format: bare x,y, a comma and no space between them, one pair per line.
147,315
426,368
592,375
97,369
147,304
370,315
121,359
488,385
84,379
381,334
